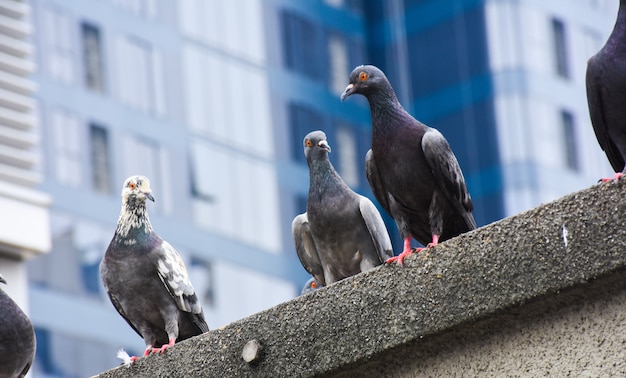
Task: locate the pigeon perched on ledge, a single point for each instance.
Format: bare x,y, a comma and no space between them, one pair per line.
606,94
146,278
411,168
342,233
17,338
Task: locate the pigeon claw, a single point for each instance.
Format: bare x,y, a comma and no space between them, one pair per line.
133,358
616,177
400,258
163,347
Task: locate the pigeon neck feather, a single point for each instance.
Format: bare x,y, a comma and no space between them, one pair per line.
388,115
133,216
322,172
618,35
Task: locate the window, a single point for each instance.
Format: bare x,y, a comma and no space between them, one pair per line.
347,152
227,186
140,79
303,120
91,256
339,63
335,3
201,274
92,57
569,140
144,8
300,203
57,35
67,132
560,48
304,46
592,42
217,88
100,158
232,26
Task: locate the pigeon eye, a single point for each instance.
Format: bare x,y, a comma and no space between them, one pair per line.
308,143
313,285
363,76
131,185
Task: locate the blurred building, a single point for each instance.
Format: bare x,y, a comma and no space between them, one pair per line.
24,218
211,99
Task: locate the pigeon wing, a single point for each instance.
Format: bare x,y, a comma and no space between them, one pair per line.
446,169
120,310
173,274
373,177
306,248
596,112
376,227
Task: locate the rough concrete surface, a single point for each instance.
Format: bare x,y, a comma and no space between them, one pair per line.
540,293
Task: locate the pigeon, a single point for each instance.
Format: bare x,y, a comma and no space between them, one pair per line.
17,338
310,285
146,278
342,233
606,94
411,168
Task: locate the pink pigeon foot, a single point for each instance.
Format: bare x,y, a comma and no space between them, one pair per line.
164,347
616,177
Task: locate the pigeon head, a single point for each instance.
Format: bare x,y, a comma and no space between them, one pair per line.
133,214
310,285
367,80
137,188
315,145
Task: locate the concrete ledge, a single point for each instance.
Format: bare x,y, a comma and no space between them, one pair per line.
517,297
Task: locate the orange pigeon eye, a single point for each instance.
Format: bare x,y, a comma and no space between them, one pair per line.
308,143
131,185
363,76
314,284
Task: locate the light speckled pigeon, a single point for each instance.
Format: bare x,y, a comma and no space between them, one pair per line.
17,338
310,285
606,94
342,233
411,168
146,278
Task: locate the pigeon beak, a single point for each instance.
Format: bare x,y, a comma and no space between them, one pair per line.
349,90
324,145
2,279
149,196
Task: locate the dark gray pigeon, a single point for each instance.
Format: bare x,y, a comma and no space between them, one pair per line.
342,233
146,278
17,338
310,285
411,168
606,94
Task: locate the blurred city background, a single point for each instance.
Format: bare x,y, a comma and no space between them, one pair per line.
211,99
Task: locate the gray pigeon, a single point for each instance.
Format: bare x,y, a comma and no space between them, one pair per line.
310,285
342,233
411,168
146,278
17,338
606,94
